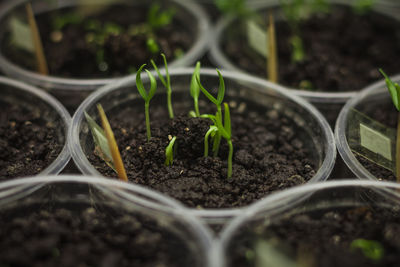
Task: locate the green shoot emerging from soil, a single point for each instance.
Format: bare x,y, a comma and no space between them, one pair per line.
169,151
211,132
195,90
166,83
371,249
158,18
394,90
218,102
225,129
146,96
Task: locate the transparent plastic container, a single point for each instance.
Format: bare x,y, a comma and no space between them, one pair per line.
375,95
329,103
114,200
314,200
123,93
29,97
68,88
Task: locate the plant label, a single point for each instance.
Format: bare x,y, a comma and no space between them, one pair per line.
372,140
257,38
21,35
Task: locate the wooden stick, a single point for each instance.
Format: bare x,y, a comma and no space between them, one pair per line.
116,156
398,149
272,60
40,57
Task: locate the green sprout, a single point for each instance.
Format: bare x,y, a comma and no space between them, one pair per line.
169,151
226,132
166,83
233,7
152,46
394,90
195,90
211,131
156,18
146,96
371,249
218,102
363,6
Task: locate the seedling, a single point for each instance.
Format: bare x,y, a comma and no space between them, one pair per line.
371,249
166,83
217,101
113,147
146,96
195,90
212,131
169,151
158,18
394,90
226,132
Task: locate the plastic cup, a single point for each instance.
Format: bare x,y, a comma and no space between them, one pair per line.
30,97
311,199
115,199
123,93
375,95
329,103
73,90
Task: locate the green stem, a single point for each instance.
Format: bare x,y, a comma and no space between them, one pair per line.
169,103
146,109
196,107
230,158
217,141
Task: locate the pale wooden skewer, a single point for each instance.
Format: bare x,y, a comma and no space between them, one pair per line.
272,60
37,43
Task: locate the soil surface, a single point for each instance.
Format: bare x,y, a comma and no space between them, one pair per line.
324,238
102,45
269,155
386,115
28,144
61,237
343,51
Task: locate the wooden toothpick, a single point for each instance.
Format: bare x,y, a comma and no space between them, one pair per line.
116,156
272,60
37,43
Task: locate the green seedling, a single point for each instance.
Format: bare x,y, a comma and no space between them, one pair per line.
100,141
167,84
158,18
236,8
169,151
371,249
363,6
60,21
394,90
195,90
218,102
112,144
146,96
225,129
211,132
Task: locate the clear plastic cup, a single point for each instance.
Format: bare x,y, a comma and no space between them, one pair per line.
375,95
123,93
116,200
29,97
329,103
69,88
311,199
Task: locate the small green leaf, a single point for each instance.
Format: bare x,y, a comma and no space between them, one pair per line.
100,140
371,249
227,120
221,127
169,152
394,90
221,89
139,83
206,93
194,85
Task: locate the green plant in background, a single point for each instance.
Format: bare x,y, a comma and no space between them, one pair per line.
169,151
166,83
394,90
158,18
371,249
195,91
233,7
146,96
363,6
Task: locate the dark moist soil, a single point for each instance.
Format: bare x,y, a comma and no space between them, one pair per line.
344,51
28,144
324,238
88,238
73,56
269,155
386,115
